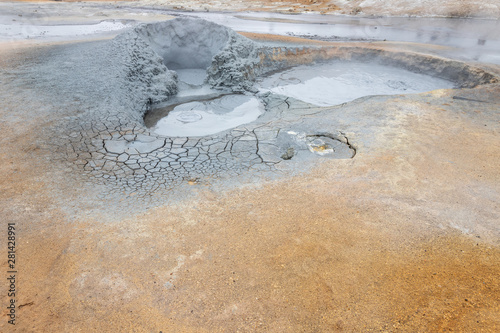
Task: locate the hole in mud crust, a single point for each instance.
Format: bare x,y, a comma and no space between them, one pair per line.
330,146
289,154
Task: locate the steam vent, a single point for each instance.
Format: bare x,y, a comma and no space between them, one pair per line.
231,167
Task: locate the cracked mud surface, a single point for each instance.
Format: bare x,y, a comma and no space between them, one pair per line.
402,237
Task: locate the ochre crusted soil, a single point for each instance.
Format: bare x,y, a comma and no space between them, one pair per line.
401,239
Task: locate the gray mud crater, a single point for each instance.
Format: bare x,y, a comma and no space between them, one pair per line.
114,85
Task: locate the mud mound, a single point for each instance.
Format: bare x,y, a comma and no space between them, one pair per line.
190,43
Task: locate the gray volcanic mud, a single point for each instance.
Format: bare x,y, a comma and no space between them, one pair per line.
109,86
335,83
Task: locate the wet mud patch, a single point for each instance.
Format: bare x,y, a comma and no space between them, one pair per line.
326,145
323,145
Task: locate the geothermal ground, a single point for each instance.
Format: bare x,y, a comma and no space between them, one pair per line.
308,173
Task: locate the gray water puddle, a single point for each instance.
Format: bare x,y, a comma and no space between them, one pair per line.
468,38
457,32
334,83
208,117
22,31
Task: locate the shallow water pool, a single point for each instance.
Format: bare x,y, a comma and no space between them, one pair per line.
202,118
339,82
